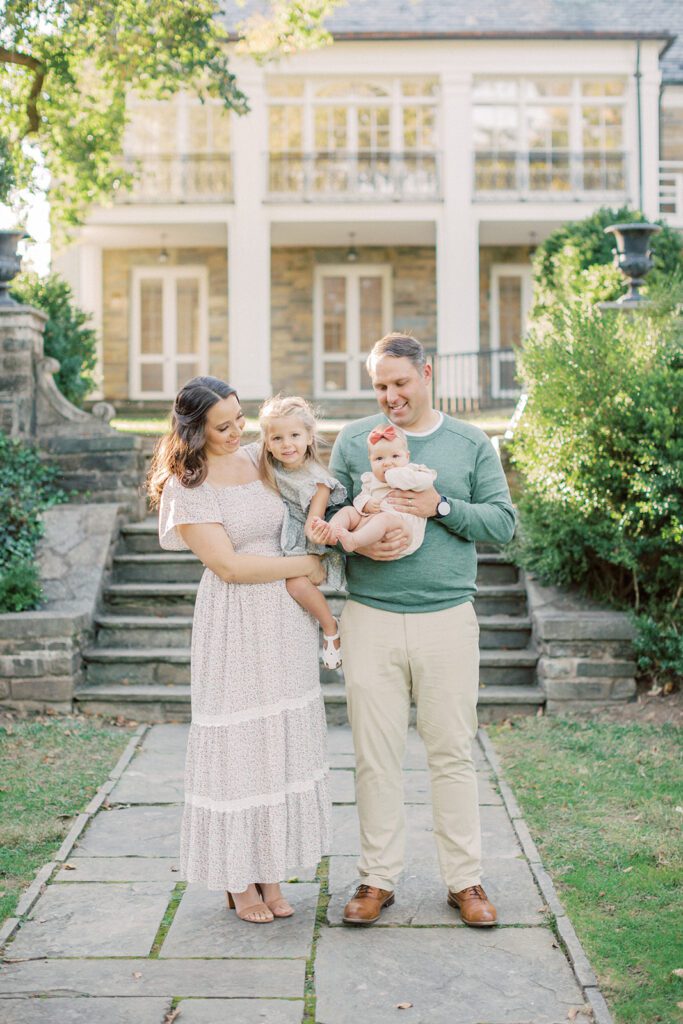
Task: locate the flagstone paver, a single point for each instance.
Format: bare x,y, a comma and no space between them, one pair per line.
92,947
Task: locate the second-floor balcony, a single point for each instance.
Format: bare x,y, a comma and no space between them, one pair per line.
550,175
351,177
181,178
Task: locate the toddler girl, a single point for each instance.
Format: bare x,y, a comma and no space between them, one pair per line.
290,464
370,516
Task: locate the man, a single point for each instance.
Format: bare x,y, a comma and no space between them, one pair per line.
409,630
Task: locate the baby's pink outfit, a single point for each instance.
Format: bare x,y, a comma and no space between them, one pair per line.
403,478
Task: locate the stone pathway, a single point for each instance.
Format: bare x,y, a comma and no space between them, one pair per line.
117,938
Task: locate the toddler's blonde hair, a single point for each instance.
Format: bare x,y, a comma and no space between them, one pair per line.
280,407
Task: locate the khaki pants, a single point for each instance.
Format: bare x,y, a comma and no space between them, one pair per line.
435,658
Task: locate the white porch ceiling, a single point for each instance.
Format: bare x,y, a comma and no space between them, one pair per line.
334,233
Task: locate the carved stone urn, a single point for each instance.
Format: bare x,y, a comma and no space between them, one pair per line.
633,258
10,263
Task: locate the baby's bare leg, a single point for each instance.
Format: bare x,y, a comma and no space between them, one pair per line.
346,518
370,530
309,597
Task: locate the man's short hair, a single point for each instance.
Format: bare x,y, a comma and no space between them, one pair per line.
401,346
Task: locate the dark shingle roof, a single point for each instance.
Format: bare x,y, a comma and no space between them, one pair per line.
517,18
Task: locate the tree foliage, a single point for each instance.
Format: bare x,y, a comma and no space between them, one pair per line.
69,64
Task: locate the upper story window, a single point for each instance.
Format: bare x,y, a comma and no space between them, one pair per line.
372,137
179,150
552,134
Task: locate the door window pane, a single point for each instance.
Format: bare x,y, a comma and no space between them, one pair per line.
184,371
151,317
510,325
334,314
187,312
334,376
370,311
330,128
152,377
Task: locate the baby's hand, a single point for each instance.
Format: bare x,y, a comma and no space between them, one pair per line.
320,532
371,507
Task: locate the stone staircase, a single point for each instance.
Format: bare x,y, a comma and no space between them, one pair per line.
139,664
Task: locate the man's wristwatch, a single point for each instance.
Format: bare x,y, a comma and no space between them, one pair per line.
443,508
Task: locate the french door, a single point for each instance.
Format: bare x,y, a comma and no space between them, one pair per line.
511,294
352,310
169,329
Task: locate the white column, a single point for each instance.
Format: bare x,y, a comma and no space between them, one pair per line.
649,105
89,298
249,248
457,230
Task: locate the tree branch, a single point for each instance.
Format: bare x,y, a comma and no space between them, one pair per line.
26,60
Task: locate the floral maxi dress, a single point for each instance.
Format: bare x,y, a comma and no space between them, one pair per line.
256,786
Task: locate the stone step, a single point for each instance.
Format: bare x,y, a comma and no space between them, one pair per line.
144,666
181,567
508,599
496,631
172,703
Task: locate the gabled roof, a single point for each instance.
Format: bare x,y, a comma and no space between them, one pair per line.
410,19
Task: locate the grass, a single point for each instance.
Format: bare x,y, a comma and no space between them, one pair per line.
49,771
604,803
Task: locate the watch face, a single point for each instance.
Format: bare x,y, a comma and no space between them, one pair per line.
443,508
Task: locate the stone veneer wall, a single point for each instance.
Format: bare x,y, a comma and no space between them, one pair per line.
586,653
40,651
488,255
292,283
116,285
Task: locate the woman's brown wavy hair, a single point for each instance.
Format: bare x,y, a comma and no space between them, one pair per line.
181,452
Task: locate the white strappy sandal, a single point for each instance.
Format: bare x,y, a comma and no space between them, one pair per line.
331,655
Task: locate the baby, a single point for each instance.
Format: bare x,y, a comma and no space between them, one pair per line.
368,519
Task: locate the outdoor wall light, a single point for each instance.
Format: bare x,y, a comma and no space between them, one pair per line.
352,252
163,252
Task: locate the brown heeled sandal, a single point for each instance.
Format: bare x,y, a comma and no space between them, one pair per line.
243,914
286,911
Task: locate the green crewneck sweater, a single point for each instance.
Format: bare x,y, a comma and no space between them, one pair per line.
442,572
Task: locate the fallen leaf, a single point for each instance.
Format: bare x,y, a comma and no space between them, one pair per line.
69,867
573,1013
678,972
403,1006
679,810
626,870
137,974
542,910
171,1015
175,869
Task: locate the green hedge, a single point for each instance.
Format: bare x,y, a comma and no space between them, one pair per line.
67,338
600,451
27,488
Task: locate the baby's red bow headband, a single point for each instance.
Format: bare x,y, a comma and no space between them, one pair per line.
387,432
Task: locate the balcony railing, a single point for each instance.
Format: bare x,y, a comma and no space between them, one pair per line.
471,381
186,178
671,189
550,175
350,177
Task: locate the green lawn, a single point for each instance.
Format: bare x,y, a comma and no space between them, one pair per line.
604,803
49,772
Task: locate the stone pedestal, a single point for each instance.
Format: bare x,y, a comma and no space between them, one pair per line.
98,464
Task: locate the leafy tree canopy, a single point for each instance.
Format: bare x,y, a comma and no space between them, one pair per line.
67,66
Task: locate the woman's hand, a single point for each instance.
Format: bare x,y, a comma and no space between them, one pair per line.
317,574
389,547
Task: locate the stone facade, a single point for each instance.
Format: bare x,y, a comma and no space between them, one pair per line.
586,654
40,659
117,265
292,284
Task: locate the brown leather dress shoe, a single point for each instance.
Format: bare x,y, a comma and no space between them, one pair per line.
366,904
474,906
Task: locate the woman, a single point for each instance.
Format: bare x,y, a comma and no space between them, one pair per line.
256,796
